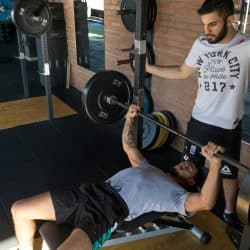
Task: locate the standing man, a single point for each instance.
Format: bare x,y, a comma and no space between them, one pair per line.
221,60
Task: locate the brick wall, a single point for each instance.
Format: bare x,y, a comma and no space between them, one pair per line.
116,38
176,27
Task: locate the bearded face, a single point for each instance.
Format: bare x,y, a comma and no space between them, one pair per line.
215,27
216,38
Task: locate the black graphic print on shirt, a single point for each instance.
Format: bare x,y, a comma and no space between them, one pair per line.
218,71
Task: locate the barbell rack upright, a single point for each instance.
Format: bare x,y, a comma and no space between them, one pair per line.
140,49
46,77
23,63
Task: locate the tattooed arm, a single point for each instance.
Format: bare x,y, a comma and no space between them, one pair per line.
128,137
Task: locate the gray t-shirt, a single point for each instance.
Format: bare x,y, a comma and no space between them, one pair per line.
146,188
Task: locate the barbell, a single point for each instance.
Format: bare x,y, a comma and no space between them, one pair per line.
106,98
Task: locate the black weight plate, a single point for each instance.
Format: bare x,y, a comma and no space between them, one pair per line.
32,17
164,132
148,102
150,132
105,84
129,20
172,119
150,54
152,13
161,132
172,124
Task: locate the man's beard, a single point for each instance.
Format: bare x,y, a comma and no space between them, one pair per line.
219,37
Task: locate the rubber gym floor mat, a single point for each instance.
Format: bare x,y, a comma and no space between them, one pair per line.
30,110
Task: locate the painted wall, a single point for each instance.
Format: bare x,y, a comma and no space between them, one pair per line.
176,27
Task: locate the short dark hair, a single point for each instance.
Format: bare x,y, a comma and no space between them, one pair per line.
224,8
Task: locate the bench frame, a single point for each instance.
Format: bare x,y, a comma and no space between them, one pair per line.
148,225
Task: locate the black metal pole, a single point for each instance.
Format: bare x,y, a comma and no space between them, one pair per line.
23,63
46,74
223,157
242,8
140,60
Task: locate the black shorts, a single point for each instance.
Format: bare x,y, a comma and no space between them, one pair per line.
230,139
95,208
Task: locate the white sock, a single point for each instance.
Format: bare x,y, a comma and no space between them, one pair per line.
227,212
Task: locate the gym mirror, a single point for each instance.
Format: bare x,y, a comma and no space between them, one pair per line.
89,26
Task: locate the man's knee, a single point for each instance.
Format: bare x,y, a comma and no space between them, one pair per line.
17,208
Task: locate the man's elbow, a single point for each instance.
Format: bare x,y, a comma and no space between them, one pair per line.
184,75
185,72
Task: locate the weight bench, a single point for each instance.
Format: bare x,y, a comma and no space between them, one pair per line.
146,225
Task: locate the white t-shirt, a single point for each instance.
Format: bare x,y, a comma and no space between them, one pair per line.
223,76
146,188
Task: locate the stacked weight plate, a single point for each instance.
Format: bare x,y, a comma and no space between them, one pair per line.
172,124
150,132
128,14
154,136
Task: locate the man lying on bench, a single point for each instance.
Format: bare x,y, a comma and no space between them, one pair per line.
95,210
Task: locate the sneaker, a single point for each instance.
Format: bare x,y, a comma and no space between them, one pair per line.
232,219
